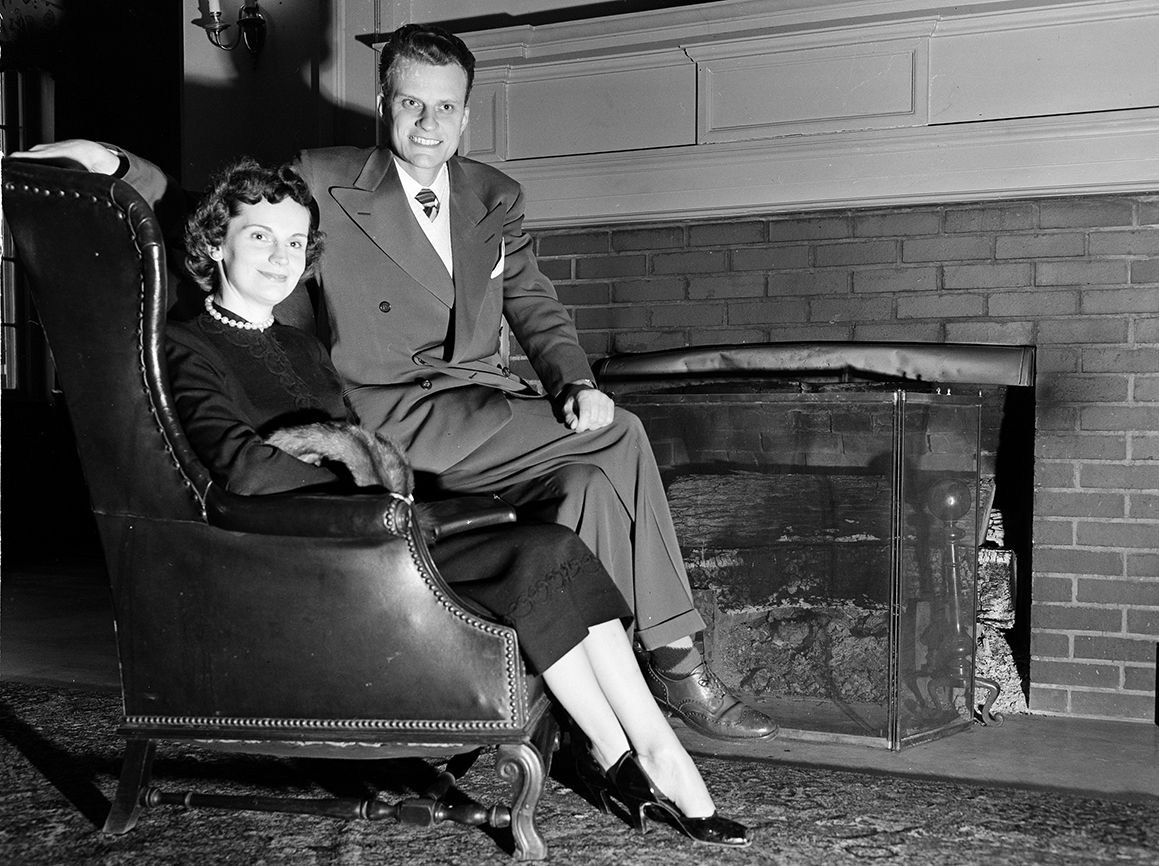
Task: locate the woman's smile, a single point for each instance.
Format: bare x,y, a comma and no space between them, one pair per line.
262,256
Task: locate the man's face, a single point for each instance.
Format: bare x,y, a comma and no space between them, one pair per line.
426,112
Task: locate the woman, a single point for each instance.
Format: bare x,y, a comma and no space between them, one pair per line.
241,382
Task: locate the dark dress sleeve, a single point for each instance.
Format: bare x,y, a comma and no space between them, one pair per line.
209,401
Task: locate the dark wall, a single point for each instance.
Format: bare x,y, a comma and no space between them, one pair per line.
118,77
115,67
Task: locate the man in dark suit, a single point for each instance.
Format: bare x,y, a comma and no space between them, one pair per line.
425,257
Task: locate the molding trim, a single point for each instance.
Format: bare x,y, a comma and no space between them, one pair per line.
1106,152
978,100
999,20
578,67
745,45
710,22
753,93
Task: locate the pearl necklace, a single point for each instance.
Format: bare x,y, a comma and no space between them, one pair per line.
235,323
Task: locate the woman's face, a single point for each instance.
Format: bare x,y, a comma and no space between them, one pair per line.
263,255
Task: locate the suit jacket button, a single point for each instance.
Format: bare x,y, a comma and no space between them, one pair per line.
425,384
384,307
506,371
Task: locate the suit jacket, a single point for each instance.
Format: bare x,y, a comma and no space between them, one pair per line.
420,354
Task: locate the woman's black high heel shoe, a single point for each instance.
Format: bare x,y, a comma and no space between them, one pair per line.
631,785
625,782
592,777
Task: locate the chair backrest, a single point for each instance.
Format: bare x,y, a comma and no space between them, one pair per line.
94,260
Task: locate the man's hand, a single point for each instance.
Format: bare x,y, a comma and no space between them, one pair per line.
587,409
94,157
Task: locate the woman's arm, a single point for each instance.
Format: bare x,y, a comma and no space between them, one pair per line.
223,438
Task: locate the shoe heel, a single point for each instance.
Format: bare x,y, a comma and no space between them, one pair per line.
641,816
594,784
597,796
602,798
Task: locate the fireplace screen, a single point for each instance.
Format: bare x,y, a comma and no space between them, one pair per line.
829,529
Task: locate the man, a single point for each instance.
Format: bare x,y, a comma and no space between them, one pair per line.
426,256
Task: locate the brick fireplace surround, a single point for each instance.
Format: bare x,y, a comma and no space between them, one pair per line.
1076,277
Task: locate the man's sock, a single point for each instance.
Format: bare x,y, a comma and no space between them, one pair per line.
676,661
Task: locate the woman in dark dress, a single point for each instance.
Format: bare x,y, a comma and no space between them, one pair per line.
240,378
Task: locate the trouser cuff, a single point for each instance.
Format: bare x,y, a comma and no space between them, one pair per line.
680,626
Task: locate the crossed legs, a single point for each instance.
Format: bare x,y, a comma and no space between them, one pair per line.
603,484
606,486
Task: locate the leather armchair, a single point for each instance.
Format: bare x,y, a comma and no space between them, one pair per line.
304,625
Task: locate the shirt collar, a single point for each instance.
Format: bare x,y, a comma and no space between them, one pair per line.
441,186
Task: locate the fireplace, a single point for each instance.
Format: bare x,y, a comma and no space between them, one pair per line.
830,500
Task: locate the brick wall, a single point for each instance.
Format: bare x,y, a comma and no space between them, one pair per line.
1077,277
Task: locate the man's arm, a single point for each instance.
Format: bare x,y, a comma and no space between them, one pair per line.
545,330
152,183
584,407
538,320
95,157
163,194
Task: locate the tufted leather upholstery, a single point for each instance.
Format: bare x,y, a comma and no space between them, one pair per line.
301,624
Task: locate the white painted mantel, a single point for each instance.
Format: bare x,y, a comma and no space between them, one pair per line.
759,106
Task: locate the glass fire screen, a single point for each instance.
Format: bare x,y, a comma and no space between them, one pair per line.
829,533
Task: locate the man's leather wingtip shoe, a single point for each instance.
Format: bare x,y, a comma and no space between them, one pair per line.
705,704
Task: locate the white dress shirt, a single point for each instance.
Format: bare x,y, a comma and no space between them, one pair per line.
438,230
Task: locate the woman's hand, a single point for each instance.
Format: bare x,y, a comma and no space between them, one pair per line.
93,156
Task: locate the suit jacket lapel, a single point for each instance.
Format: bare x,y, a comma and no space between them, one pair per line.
378,205
475,245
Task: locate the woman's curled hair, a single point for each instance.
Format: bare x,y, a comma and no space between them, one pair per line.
243,182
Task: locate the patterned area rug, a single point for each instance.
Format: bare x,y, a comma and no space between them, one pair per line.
61,758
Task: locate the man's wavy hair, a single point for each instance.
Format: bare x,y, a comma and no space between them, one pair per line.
245,181
425,44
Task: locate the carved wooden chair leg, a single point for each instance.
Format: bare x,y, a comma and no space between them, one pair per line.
135,774
521,764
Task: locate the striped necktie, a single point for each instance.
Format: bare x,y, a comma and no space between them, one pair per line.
429,201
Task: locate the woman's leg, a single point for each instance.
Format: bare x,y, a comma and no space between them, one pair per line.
546,583
573,683
661,753
599,684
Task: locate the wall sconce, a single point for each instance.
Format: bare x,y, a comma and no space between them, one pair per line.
251,26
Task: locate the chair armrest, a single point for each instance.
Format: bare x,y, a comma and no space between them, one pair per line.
445,517
55,162
328,515
317,515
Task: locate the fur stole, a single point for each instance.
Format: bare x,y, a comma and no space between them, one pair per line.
371,459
